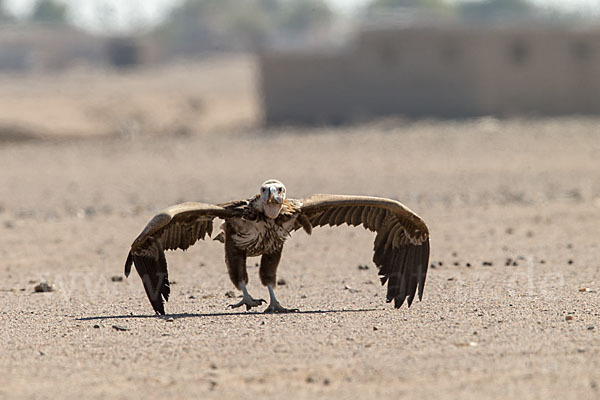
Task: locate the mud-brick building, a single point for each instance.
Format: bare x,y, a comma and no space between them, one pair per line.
446,72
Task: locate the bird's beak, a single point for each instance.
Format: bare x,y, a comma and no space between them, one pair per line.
273,198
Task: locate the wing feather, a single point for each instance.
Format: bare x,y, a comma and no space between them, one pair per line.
176,227
401,246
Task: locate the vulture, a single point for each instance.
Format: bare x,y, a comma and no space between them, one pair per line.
260,225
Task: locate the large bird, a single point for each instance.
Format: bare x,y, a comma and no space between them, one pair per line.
260,225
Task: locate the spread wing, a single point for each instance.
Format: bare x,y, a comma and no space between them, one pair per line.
401,244
176,227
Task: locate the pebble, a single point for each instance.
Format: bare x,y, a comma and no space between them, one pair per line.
487,263
363,267
170,319
591,327
375,328
350,289
281,282
191,297
569,318
43,287
230,294
570,262
120,328
116,278
96,326
468,265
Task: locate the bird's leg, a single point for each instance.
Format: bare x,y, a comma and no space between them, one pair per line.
274,306
247,300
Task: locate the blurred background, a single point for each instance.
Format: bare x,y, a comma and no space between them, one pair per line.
106,67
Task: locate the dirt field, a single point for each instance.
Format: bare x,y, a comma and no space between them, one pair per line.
522,191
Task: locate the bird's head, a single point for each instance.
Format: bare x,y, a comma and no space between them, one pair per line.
272,195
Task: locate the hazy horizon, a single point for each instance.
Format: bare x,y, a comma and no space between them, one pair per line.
115,15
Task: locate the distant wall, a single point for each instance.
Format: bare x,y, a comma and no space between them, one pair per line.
449,73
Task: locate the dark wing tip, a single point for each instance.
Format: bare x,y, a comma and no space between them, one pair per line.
154,278
128,263
404,269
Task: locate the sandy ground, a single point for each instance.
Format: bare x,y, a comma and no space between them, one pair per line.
524,190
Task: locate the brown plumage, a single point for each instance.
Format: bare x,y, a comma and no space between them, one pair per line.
260,226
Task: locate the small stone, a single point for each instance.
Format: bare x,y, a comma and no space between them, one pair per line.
468,265
43,287
433,265
350,289
375,328
213,366
569,246
120,328
440,263
570,262
569,318
510,231
116,278
310,379
191,297
542,261
515,264
456,263
230,294
326,382
170,319
591,327
487,263
363,267
281,282
451,278
303,296
96,326
584,289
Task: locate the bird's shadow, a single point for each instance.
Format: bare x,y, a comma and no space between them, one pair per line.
221,314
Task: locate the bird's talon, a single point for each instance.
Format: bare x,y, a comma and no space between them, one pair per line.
249,302
278,309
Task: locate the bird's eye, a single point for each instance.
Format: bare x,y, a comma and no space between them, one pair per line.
280,189
262,189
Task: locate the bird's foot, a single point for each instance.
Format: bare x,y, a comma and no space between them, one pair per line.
276,308
249,302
